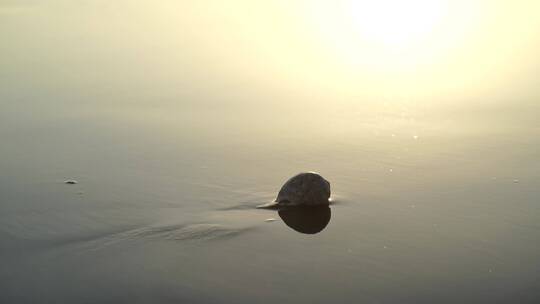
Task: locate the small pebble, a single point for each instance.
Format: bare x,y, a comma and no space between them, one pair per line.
71,182
516,181
270,220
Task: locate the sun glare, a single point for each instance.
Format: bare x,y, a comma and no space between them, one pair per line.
394,36
395,22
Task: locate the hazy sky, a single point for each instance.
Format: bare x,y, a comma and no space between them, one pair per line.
267,52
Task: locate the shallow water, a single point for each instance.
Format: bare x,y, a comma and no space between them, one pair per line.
431,204
171,218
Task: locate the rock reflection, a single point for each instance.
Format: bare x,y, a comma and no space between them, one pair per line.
308,220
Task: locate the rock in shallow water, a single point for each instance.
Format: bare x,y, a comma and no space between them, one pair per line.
304,189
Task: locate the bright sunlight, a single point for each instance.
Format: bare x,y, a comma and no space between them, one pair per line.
395,22
385,29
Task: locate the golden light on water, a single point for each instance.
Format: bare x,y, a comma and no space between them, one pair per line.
425,48
422,49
